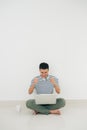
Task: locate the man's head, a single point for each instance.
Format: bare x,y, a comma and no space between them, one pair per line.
44,69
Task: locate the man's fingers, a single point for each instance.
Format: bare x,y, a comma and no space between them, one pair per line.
36,80
51,79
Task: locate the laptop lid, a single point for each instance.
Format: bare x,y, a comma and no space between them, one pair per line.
45,98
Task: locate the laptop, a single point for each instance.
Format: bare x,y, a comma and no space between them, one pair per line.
45,98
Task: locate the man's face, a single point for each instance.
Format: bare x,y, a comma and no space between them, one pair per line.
44,72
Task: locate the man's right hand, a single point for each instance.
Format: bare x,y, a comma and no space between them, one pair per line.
35,81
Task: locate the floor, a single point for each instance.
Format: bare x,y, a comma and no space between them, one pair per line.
74,117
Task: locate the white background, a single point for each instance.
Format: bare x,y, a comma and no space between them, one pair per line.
33,31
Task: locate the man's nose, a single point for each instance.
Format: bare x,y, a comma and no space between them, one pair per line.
44,74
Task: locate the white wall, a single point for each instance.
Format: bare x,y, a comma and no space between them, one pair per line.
33,31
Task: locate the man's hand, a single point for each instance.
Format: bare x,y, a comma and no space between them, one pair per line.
52,80
35,81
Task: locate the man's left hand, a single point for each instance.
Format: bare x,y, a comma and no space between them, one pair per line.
52,80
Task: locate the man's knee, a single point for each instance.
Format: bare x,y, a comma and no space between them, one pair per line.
61,101
29,103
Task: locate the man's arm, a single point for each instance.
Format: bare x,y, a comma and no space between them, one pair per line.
56,86
31,88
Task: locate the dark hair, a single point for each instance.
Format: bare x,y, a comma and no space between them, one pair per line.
43,66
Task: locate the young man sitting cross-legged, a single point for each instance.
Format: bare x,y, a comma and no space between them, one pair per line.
53,84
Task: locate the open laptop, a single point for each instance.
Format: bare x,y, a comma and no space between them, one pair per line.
45,98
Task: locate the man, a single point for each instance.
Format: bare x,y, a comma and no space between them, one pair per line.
50,82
